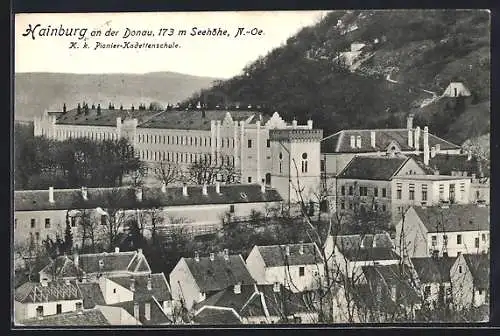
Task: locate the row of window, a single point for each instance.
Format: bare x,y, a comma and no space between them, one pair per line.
185,157
354,206
39,309
363,191
459,240
86,134
191,141
411,191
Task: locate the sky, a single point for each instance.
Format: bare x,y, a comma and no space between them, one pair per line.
200,55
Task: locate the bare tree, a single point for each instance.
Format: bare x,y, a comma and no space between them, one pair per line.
168,172
89,230
114,216
204,171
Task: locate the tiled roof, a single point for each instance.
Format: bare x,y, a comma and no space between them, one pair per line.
90,263
447,163
91,294
433,270
350,247
159,286
373,167
479,266
157,316
455,218
193,119
275,255
30,292
107,117
217,316
33,200
92,317
340,142
220,273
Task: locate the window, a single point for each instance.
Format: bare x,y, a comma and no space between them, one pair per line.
304,162
342,190
460,269
281,167
476,242
462,191
445,240
78,305
350,190
249,179
33,223
47,223
73,221
384,207
411,192
103,219
441,191
114,290
424,192
483,237
37,235
459,239
322,165
268,143
452,193
39,311
15,223
384,192
342,205
58,308
231,208
399,191
249,143
480,291
301,271
393,293
363,191
434,241
375,192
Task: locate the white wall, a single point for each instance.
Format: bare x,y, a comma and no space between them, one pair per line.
256,266
181,276
313,274
118,316
114,293
468,242
49,308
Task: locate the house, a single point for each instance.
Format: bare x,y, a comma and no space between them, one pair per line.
456,89
434,278
299,267
258,304
194,279
36,300
84,318
389,295
446,229
92,266
44,213
470,280
347,254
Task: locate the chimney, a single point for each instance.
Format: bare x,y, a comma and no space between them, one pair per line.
436,171
416,143
301,248
276,287
196,256
184,190
310,124
410,138
226,254
138,194
118,121
287,250
353,141
51,194
117,250
473,176
139,252
409,122
294,123
204,189
84,193
163,187
358,141
149,285
217,187
433,151
76,259
372,138
426,145
212,256
237,288
132,284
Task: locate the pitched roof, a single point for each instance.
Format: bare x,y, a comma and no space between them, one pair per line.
340,142
218,274
32,292
350,247
159,286
373,167
455,218
275,255
479,266
459,86
126,262
216,315
107,117
64,199
448,164
92,317
433,270
284,302
157,316
193,119
91,294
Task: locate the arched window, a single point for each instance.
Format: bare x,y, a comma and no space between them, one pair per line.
304,162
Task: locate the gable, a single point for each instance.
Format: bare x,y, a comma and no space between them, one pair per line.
410,167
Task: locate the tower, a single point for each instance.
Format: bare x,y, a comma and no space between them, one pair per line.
295,153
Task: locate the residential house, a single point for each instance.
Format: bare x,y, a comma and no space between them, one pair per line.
456,89
36,300
446,229
44,213
434,278
259,304
299,267
194,279
470,280
84,318
347,254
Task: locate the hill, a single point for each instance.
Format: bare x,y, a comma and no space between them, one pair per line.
405,58
37,92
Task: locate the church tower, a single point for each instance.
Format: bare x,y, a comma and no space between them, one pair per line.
296,162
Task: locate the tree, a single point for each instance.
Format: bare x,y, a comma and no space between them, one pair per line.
89,229
168,172
68,236
114,216
207,172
